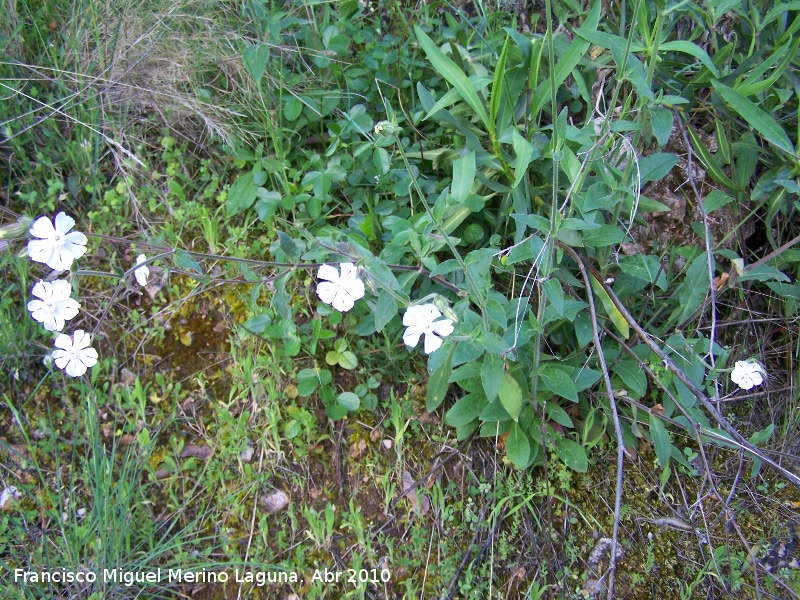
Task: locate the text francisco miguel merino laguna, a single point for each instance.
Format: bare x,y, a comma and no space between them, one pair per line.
129,578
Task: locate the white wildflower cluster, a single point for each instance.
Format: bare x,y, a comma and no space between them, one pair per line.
341,288
55,245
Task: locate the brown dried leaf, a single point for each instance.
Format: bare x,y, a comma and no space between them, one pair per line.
358,448
201,452
421,508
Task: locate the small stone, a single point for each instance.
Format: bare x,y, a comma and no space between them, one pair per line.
275,501
247,454
387,444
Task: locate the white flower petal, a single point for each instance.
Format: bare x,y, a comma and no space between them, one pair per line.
748,374
40,250
432,343
442,327
328,273
42,228
142,273
411,336
64,223
342,301
327,291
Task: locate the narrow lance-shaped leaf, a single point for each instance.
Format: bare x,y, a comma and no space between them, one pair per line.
450,71
761,121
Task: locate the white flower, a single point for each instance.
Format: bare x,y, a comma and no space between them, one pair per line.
55,305
340,291
142,273
57,248
747,374
75,354
422,319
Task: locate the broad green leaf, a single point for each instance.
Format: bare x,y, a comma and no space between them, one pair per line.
382,160
605,235
661,440
184,260
612,311
450,71
759,437
644,266
385,310
558,382
292,109
632,376
492,375
255,59
348,360
715,200
438,382
257,324
463,176
661,123
349,400
510,396
763,123
555,293
241,195
558,414
518,446
498,93
524,152
692,292
465,410
656,166
764,273
573,454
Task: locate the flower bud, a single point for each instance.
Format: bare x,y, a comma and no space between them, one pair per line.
17,229
443,305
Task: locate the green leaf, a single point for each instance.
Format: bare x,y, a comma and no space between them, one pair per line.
558,382
661,440
241,195
184,260
518,446
385,310
463,176
257,324
661,123
632,376
348,360
438,382
525,152
763,123
759,437
605,235
567,62
349,400
692,292
465,410
558,414
764,273
510,396
656,166
709,162
611,310
307,382
572,454
450,71
382,160
692,50
292,109
715,200
255,59
644,266
492,375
